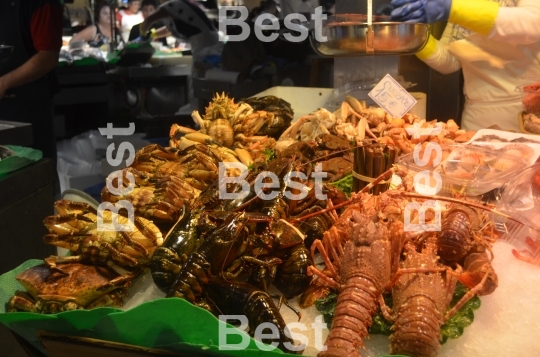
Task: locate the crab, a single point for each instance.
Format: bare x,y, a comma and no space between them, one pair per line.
157,199
197,164
225,123
76,229
81,287
309,126
282,114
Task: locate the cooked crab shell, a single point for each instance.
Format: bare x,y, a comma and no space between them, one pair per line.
80,286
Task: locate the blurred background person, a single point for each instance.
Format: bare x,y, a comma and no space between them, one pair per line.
129,17
185,20
99,34
496,44
27,83
148,7
266,7
304,7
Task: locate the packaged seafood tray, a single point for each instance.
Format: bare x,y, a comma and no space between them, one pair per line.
520,198
465,169
529,123
530,97
518,144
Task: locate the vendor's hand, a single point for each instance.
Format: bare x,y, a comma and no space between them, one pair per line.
423,11
3,87
144,27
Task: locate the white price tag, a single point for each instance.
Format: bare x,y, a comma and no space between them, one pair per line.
392,97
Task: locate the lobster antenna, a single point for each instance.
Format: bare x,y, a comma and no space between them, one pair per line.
230,247
333,153
472,204
350,201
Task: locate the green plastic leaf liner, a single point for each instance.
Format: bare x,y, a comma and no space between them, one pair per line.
172,324
25,156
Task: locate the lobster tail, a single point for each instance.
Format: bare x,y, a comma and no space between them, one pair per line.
455,240
353,316
235,298
417,329
292,277
420,299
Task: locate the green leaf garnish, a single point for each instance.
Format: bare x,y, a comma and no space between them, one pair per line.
270,154
345,184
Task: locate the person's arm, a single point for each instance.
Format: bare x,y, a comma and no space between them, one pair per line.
119,19
158,15
46,31
436,55
134,33
86,34
162,32
516,25
36,67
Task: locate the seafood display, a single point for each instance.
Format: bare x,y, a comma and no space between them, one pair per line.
77,287
531,123
76,229
237,126
102,264
158,199
253,254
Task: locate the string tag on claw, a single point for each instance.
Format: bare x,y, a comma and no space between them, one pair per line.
392,97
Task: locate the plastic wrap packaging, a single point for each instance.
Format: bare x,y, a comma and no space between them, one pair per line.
467,169
77,156
520,199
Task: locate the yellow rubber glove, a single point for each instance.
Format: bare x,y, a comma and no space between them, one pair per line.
429,49
476,15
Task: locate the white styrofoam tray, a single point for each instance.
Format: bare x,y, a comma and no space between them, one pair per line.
505,135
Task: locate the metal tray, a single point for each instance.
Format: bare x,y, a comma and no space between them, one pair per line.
348,35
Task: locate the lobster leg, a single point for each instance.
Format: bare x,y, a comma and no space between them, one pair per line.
385,310
469,295
329,281
240,263
451,281
282,300
318,244
333,213
329,242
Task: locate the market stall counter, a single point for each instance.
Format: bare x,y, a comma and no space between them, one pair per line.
93,95
26,197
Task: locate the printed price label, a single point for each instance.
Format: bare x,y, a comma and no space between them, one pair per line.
392,97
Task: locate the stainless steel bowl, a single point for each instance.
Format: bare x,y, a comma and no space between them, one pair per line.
346,39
